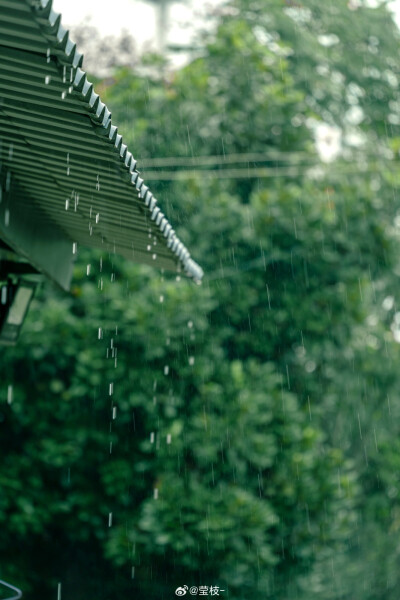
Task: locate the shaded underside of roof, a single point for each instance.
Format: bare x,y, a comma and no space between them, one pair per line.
65,173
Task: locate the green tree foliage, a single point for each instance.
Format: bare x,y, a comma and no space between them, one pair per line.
238,433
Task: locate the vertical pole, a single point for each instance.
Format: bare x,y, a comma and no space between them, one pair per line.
162,24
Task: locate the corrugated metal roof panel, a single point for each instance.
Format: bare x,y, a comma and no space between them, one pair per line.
62,161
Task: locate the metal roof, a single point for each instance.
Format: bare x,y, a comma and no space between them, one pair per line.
66,177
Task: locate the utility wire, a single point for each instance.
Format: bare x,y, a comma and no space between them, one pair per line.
258,172
217,159
225,159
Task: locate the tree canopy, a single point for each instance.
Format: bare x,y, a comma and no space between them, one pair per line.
241,434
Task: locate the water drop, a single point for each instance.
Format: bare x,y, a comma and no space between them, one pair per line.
168,438
47,79
67,204
191,360
6,217
161,298
114,414
110,519
111,389
100,333
190,324
166,370
155,493
88,269
152,437
74,248
9,394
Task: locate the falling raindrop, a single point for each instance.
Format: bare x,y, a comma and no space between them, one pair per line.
4,294
47,79
67,204
190,324
111,389
114,414
100,333
6,217
110,516
161,298
166,370
148,248
9,394
168,438
191,360
154,256
155,493
74,247
48,55
97,217
59,591
88,269
133,573
8,181
152,437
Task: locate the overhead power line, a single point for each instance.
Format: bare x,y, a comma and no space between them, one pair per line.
258,172
221,159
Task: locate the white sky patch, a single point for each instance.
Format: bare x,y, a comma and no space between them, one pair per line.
328,40
328,141
134,16
139,18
